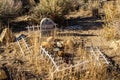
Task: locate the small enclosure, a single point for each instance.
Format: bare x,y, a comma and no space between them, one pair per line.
69,63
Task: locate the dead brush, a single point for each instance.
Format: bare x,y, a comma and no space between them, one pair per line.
10,7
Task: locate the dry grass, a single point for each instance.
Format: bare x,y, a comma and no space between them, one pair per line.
110,11
111,27
110,33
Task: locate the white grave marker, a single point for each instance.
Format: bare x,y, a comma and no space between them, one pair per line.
47,27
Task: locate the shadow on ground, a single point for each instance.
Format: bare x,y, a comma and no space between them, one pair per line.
76,34
87,23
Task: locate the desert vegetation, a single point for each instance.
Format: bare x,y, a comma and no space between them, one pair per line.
84,44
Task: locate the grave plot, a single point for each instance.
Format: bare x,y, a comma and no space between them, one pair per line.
61,60
65,65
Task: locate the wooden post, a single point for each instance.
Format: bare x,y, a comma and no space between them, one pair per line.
95,13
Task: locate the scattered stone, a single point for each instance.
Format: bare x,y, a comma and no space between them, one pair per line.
56,49
59,44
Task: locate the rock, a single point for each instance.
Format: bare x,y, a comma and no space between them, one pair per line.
3,74
59,44
56,49
60,53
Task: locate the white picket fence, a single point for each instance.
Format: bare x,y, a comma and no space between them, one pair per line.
24,45
99,59
58,65
99,56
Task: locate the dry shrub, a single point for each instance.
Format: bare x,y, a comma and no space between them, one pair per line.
9,7
54,9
